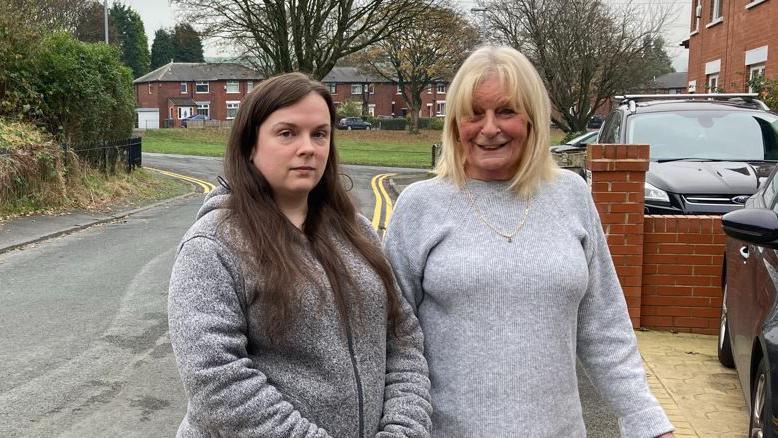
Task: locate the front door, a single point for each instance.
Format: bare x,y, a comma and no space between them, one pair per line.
184,112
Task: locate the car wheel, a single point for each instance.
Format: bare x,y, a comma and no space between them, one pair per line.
725,346
760,403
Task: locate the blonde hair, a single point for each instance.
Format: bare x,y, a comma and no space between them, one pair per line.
526,94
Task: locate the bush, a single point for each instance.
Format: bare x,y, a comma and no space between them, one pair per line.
350,108
18,47
767,89
399,124
435,123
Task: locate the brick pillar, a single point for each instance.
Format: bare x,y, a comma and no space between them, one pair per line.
617,183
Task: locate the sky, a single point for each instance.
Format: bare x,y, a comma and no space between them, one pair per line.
159,13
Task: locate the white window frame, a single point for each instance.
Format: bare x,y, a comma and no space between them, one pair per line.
399,90
249,86
716,12
206,106
183,87
371,88
332,87
150,92
232,87
441,88
753,70
692,86
429,89
697,17
355,87
712,82
430,110
754,3
440,107
232,104
371,109
201,83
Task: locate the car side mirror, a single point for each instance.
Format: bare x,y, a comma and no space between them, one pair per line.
758,226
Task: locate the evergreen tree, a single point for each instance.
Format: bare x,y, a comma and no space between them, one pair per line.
131,37
162,49
188,46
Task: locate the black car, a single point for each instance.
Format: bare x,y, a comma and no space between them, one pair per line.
709,152
595,122
748,333
350,123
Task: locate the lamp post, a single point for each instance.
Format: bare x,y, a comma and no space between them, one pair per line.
482,11
105,19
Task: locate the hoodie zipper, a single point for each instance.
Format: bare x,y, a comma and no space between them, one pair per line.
358,380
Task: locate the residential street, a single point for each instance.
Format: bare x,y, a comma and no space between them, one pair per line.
85,344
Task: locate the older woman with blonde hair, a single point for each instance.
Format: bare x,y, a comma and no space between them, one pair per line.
504,260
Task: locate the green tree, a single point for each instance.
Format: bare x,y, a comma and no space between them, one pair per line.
90,26
350,108
187,43
18,48
162,49
131,37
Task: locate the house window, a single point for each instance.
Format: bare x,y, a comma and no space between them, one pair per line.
692,86
441,88
149,87
429,110
697,15
182,87
715,10
204,109
232,109
754,72
429,89
399,90
371,88
333,87
371,109
712,83
356,88
202,87
249,86
440,108
232,87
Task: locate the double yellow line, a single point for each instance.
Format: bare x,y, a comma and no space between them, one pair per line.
381,198
205,185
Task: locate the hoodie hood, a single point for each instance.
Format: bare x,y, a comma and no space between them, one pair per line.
214,200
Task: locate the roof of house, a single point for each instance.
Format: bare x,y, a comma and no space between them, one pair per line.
351,74
182,101
671,80
199,71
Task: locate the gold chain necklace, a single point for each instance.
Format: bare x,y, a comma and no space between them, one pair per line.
479,214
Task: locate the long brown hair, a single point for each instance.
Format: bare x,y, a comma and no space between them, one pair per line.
270,235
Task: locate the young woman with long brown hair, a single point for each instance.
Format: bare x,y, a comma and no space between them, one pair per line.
284,317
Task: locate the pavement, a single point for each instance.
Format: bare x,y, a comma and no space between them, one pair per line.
702,398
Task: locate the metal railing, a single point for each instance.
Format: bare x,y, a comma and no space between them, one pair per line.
104,155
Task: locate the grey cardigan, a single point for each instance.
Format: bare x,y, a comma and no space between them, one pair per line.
320,381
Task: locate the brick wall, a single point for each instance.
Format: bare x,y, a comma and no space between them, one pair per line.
682,264
669,266
156,95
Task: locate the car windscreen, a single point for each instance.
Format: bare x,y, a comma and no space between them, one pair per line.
716,135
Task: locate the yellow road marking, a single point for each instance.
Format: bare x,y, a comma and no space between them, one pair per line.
381,198
378,201
205,185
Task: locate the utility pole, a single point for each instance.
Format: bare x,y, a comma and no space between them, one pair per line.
483,21
105,21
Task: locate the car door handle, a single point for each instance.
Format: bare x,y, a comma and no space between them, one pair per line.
744,252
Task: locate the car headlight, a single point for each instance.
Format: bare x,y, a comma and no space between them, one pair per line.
652,193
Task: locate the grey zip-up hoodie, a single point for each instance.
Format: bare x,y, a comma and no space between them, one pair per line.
320,380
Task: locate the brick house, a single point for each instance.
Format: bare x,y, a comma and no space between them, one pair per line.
383,97
179,90
729,42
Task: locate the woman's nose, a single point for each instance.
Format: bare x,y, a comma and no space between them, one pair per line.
306,146
490,128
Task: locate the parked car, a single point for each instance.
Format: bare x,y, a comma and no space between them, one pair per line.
194,118
350,123
576,144
708,152
748,332
595,122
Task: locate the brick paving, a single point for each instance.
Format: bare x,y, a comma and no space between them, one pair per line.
702,398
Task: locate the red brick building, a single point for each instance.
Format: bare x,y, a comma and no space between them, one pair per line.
383,97
179,90
730,42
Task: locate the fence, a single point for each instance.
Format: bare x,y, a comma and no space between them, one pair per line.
208,124
105,155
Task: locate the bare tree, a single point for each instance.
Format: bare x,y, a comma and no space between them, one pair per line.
585,50
299,35
49,14
431,46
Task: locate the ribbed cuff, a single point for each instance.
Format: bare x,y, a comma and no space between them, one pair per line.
648,423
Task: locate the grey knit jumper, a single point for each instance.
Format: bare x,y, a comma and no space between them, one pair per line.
319,381
504,321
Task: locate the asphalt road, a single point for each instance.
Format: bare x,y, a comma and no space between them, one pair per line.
85,351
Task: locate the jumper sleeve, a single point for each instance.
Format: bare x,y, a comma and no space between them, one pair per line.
606,341
407,403
403,247
208,332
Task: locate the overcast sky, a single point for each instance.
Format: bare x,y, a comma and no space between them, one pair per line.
159,13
